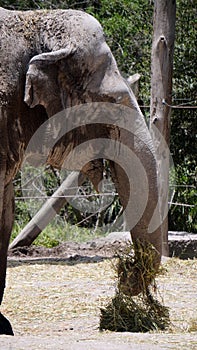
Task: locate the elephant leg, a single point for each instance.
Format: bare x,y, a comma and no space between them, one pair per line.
94,171
6,223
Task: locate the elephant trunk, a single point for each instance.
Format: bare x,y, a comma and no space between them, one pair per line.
138,191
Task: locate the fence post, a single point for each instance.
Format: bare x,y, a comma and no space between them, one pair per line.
161,90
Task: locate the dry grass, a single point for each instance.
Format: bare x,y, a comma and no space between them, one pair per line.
141,313
136,272
49,293
134,314
47,301
179,290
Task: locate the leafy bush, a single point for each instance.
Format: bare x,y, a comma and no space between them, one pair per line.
184,217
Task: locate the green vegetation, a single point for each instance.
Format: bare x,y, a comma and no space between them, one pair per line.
184,121
57,233
128,28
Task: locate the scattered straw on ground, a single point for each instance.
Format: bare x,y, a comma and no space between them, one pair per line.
53,304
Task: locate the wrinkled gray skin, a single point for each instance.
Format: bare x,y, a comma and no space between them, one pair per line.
71,64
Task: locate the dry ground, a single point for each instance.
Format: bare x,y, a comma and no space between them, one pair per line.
54,304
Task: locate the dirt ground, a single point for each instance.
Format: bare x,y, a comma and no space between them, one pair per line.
53,299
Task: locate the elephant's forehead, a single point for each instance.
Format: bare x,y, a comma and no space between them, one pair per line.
23,33
57,28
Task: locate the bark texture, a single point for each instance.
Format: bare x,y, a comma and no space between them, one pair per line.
161,93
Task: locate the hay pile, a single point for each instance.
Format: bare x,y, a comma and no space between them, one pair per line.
140,313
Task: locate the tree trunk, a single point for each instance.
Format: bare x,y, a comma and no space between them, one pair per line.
161,93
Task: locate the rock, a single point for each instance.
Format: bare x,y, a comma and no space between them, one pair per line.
182,245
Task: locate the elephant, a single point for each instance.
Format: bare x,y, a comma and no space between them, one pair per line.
53,60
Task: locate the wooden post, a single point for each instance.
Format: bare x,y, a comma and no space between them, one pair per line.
161,92
48,211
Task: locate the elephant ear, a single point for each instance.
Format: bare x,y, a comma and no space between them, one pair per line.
42,76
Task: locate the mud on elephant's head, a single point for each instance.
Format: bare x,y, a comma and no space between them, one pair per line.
82,70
